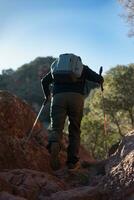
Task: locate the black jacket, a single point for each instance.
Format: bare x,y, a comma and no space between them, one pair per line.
77,87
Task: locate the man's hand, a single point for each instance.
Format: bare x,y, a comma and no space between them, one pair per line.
102,79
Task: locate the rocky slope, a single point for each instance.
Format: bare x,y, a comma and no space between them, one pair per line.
25,173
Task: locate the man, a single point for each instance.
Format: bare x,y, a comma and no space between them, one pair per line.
67,100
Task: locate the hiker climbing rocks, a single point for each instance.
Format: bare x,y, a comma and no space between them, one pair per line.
68,75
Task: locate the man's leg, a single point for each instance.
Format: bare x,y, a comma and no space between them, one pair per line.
75,113
58,116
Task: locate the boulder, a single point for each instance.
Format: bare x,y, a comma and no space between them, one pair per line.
119,178
7,196
17,118
31,184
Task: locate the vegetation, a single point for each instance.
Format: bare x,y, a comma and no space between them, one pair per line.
129,14
107,116
25,81
116,105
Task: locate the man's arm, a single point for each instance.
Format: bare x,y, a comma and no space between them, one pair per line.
92,76
45,82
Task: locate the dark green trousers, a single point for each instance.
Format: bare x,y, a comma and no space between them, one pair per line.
63,105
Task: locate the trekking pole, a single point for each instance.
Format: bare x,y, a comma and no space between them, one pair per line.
102,89
100,72
103,107
35,122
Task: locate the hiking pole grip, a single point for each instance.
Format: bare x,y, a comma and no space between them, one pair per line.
100,73
101,70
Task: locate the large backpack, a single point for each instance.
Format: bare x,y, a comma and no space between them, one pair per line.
67,68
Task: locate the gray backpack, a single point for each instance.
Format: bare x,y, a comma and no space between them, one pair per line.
67,68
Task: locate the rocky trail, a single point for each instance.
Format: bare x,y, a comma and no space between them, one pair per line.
25,174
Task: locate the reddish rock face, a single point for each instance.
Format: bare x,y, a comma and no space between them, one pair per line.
16,116
16,120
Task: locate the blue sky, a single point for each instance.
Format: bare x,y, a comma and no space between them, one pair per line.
92,29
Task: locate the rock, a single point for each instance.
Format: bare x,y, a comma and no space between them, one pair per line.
7,196
16,116
81,193
5,185
32,184
119,179
113,148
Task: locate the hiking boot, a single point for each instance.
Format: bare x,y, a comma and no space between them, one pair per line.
54,153
73,167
